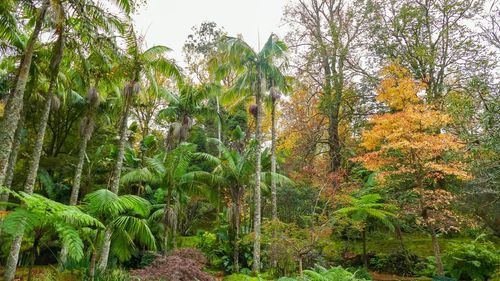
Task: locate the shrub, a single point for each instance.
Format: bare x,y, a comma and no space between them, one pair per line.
399,263
321,273
182,265
476,260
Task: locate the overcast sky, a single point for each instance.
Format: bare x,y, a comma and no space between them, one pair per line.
169,22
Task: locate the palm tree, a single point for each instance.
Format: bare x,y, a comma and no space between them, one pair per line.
39,216
139,64
57,53
254,69
169,172
124,217
368,207
9,121
233,172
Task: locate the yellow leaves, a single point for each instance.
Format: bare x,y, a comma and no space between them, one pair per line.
411,140
398,88
2,107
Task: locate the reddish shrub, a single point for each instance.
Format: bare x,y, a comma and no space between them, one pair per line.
181,265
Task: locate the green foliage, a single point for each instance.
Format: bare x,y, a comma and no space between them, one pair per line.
323,274
38,214
475,261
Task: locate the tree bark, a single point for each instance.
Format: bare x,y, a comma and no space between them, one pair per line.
365,258
236,219
57,52
437,252
79,166
10,119
115,180
4,197
257,198
273,161
93,258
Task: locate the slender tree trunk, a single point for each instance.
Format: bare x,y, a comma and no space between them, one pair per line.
334,145
365,258
257,199
79,166
4,197
437,252
12,112
236,218
273,161
57,53
93,258
174,223
115,180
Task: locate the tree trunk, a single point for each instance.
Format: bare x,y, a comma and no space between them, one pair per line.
437,252
4,197
106,246
57,53
257,199
334,146
93,258
12,112
365,258
79,167
115,180
236,219
273,161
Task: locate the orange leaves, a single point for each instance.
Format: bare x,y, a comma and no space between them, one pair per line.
398,88
412,140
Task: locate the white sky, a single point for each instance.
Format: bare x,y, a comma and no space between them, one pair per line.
169,22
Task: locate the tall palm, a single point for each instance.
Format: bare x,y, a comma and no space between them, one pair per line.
138,64
57,53
12,111
233,172
254,69
368,207
125,217
167,171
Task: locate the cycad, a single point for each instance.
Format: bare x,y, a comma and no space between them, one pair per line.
368,207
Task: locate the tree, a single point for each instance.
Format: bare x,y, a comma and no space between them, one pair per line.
12,111
57,54
124,217
169,172
410,143
38,216
365,208
328,37
233,172
432,39
254,69
139,64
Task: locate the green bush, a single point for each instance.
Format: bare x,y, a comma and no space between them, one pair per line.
398,263
240,277
323,274
475,261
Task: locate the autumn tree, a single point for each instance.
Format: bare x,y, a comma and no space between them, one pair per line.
410,143
326,36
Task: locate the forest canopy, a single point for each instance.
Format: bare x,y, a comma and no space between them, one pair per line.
361,144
